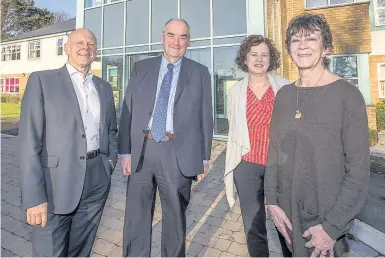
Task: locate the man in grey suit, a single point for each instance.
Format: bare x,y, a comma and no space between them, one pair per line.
68,150
165,135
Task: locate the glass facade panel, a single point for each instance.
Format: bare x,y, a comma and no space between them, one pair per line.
124,44
201,56
136,49
200,43
228,40
92,21
113,73
137,22
199,24
157,47
229,17
91,3
113,25
112,51
161,12
226,74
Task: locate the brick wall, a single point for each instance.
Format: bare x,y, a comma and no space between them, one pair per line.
23,78
373,61
371,110
350,26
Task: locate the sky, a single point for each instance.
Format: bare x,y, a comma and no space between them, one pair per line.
68,6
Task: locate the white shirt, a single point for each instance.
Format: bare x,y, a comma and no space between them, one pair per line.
88,99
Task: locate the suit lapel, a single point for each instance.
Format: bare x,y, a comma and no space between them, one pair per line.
69,94
102,100
184,74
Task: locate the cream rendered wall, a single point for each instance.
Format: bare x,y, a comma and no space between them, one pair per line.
378,42
48,56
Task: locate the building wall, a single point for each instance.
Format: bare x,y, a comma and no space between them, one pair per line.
350,25
48,56
373,68
23,78
351,29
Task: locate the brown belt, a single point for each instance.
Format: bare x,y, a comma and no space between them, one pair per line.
166,138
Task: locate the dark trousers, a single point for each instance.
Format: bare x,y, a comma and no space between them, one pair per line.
74,234
285,250
248,179
158,168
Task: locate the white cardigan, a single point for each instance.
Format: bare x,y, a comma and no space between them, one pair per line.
238,142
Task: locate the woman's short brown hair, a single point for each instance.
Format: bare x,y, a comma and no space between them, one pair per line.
255,40
308,22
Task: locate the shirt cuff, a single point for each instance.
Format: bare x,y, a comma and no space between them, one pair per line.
124,155
205,162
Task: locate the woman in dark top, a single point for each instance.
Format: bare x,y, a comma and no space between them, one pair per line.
317,174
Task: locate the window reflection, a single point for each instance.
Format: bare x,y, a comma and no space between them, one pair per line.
162,11
92,21
199,24
137,22
229,17
113,25
226,74
113,73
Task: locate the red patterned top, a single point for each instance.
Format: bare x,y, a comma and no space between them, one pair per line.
258,115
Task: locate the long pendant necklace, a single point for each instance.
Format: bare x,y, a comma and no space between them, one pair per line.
298,112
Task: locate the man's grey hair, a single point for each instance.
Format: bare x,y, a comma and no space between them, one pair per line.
181,20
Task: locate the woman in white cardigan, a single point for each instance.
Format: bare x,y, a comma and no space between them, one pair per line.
249,108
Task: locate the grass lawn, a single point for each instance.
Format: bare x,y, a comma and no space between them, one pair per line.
10,110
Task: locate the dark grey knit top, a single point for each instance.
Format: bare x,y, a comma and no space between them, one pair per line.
318,165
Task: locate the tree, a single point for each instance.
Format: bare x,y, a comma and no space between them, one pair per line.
21,16
61,16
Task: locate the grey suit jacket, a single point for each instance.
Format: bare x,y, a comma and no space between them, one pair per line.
193,120
52,140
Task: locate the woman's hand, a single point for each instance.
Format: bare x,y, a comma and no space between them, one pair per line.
281,221
322,243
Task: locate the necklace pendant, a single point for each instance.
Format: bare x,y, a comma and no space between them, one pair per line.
298,114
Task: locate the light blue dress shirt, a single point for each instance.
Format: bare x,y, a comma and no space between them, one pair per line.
170,109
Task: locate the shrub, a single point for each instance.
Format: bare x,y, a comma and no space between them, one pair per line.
380,115
10,98
373,137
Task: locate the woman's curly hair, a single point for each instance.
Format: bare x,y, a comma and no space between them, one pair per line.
307,22
255,40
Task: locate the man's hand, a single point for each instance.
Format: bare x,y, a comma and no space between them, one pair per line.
125,163
205,170
323,244
37,215
281,221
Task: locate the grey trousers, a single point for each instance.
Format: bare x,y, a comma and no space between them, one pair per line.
248,178
158,168
74,234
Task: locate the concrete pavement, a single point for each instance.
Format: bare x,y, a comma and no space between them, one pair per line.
213,230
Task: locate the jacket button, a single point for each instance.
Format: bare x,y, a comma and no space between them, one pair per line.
149,113
83,135
82,157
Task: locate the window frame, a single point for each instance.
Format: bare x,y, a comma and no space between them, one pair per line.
329,4
11,52
34,50
60,48
376,10
332,66
381,93
3,85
